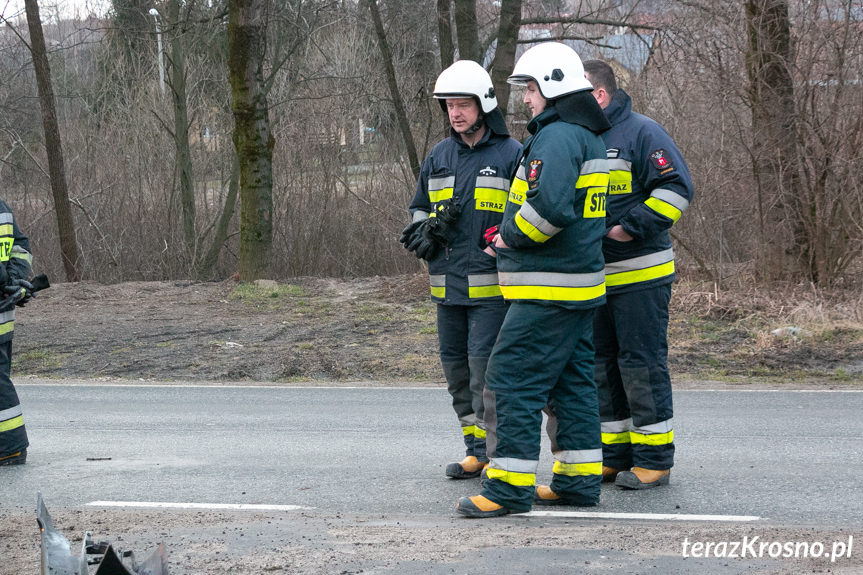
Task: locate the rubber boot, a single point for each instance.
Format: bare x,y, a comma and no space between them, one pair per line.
641,478
479,507
543,495
467,468
19,458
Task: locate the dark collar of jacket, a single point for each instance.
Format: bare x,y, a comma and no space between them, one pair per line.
620,107
580,108
486,136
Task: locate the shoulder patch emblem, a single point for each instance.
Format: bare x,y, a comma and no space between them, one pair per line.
533,172
660,159
488,171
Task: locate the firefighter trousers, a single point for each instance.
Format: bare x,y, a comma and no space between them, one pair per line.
542,358
635,406
13,435
466,334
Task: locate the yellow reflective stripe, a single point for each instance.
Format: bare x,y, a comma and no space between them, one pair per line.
512,477
530,230
652,439
612,438
479,433
439,195
490,195
13,423
468,429
635,276
663,208
484,291
553,293
7,327
517,191
438,291
6,230
597,180
573,469
23,256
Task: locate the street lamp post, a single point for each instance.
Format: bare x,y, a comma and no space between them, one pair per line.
155,14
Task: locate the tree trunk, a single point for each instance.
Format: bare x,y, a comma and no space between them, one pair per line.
252,138
53,147
771,92
504,55
467,31
444,33
401,115
205,267
183,165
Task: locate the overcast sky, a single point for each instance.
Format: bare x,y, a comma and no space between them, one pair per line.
49,8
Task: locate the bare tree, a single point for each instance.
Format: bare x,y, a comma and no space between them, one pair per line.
53,146
247,23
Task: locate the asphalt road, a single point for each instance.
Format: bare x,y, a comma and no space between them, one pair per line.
768,462
788,457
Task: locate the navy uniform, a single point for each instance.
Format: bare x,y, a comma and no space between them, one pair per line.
649,188
15,261
463,278
551,272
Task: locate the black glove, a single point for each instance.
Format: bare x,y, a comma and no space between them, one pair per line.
423,244
409,232
14,285
443,224
4,276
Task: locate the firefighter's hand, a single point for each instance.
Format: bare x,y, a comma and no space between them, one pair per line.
15,285
618,233
423,245
409,231
499,243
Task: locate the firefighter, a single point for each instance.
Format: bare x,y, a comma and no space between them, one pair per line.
461,192
15,260
649,189
551,272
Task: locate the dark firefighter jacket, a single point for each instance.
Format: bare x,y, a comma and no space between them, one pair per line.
649,188
555,216
15,256
478,179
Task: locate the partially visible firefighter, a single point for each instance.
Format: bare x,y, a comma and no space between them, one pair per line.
15,262
461,193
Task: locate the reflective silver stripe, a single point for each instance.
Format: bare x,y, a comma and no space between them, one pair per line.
480,280
533,218
467,420
513,464
519,173
7,316
10,413
616,426
670,197
550,279
598,166
641,262
579,456
619,165
492,182
654,428
420,215
437,184
437,280
6,218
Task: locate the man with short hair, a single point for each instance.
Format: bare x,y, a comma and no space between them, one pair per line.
460,194
649,189
15,261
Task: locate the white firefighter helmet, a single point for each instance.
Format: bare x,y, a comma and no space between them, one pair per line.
466,79
555,67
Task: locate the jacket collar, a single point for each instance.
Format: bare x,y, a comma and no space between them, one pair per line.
620,107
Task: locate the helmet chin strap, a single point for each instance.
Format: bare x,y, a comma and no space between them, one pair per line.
480,121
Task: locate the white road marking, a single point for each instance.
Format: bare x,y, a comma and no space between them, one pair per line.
647,516
214,506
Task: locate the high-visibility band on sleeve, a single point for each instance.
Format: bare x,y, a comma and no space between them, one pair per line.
438,285
440,195
518,191
667,203
6,218
597,180
419,216
21,253
552,286
640,269
534,225
575,469
6,230
595,166
440,188
492,182
483,285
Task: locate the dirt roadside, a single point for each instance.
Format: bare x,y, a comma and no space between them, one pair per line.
369,331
